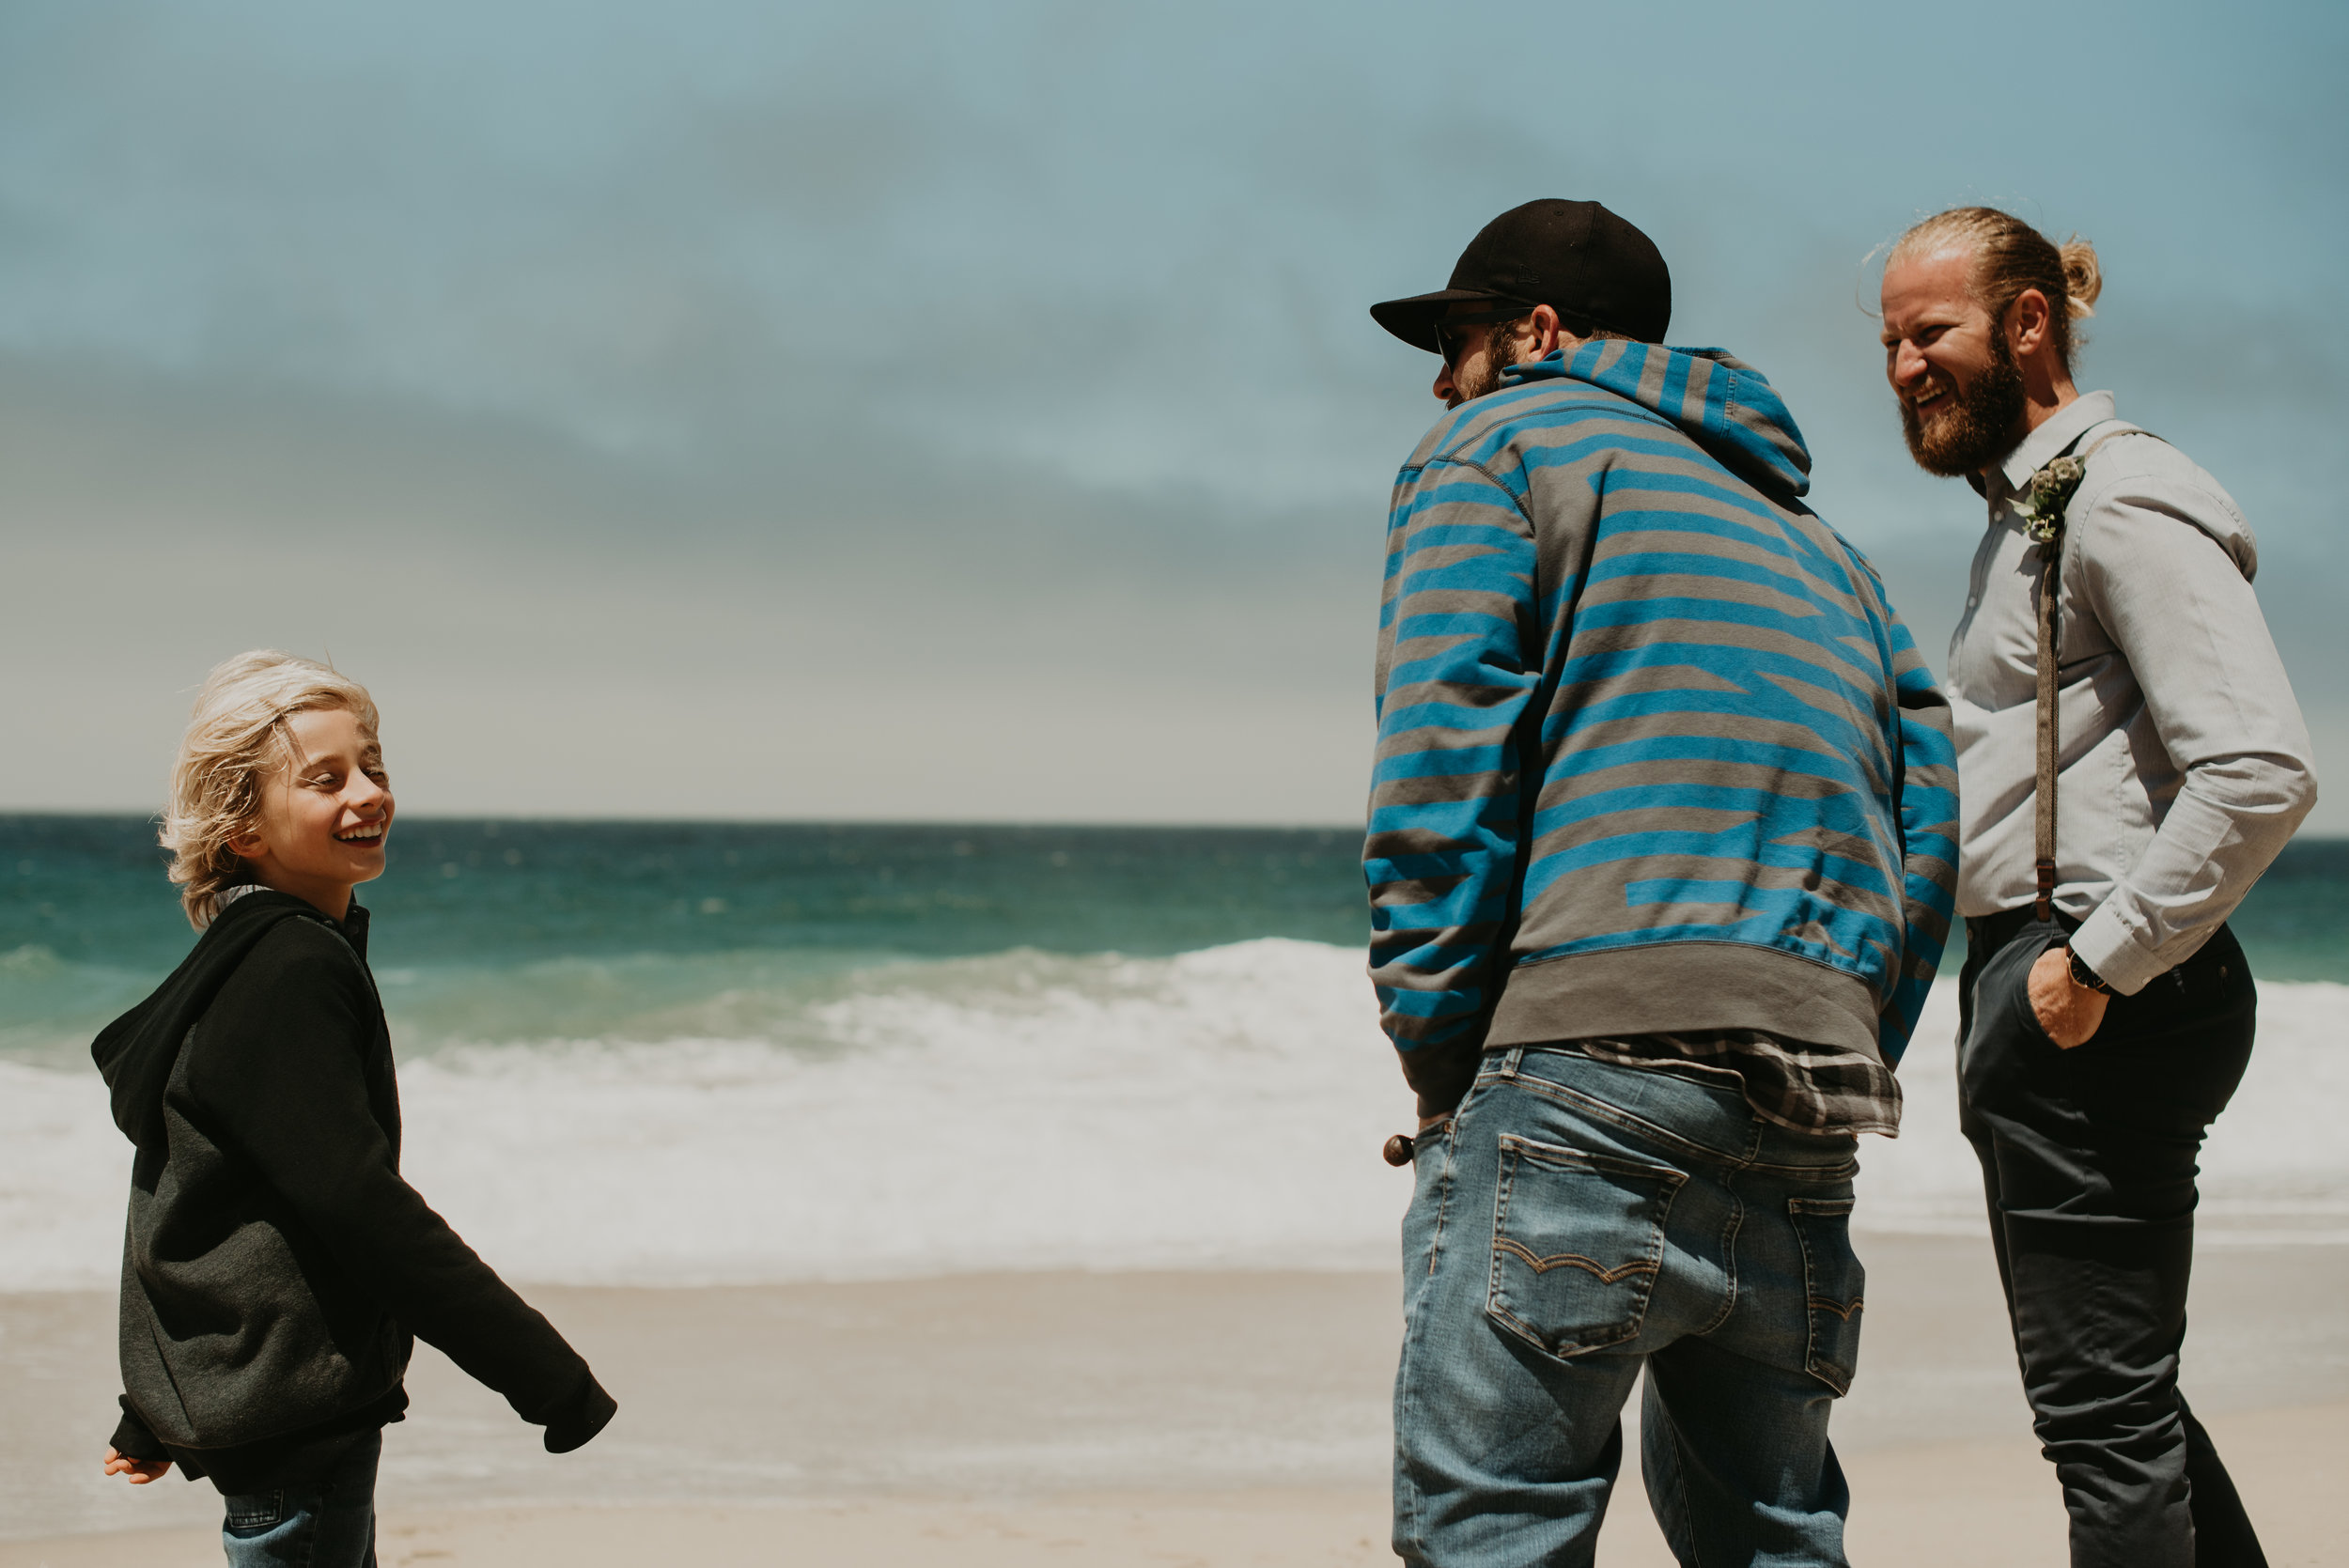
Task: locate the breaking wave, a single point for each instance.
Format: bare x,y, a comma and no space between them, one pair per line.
743,1118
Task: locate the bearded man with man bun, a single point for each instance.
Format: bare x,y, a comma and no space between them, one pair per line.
2108,1011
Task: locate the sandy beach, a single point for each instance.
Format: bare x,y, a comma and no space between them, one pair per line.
1178,1418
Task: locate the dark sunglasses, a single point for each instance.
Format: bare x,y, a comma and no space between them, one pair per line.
1449,343
1448,339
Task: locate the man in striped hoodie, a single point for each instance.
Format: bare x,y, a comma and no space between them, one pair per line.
1661,853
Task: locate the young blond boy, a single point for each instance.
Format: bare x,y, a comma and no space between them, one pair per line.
276,1264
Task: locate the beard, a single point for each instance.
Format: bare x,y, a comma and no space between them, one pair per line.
1479,371
1479,374
1980,426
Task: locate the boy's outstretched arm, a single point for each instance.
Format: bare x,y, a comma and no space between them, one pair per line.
291,1094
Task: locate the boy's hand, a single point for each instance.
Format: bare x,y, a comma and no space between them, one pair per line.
141,1471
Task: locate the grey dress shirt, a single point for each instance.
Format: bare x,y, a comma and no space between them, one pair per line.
2183,763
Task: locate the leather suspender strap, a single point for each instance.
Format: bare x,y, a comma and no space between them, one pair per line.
2051,492
2043,779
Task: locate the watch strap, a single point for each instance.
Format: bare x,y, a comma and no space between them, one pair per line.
2083,975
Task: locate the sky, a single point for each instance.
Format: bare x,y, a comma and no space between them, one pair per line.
970,411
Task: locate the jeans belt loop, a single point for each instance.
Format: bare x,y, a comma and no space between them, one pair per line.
1509,1064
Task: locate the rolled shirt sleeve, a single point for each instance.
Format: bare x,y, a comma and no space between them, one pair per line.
2181,611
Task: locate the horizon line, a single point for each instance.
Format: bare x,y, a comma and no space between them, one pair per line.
122,815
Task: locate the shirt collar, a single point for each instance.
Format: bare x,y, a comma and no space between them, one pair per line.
2063,428
353,924
226,896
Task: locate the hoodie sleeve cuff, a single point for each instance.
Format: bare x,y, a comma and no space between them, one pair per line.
1441,1075
575,1421
132,1441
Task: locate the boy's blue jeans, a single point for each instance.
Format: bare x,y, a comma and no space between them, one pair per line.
329,1522
1574,1223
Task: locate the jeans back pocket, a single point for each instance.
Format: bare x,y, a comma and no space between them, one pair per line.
256,1510
1578,1242
1833,1286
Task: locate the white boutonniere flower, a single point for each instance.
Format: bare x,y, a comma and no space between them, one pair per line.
2051,490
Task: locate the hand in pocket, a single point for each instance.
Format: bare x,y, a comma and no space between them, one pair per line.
2067,1010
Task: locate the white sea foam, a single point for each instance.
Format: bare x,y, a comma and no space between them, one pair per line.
2275,1168
1222,1109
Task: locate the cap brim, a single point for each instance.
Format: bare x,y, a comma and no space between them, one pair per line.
1414,320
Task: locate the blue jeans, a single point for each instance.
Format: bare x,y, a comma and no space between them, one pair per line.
329,1522
1576,1222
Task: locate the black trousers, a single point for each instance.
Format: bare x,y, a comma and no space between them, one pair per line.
2088,1160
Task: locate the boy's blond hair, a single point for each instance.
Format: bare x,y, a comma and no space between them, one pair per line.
236,736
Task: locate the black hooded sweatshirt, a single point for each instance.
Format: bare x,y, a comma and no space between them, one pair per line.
275,1264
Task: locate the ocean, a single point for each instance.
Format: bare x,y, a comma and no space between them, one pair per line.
704,1053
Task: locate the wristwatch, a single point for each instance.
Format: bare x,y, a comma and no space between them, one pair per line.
2083,975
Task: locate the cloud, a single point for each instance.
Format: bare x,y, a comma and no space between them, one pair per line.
959,410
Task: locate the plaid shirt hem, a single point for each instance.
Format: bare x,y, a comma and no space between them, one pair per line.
1801,1087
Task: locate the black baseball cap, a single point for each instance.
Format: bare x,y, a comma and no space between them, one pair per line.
1595,271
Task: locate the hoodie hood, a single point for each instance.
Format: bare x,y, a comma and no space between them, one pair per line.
1724,405
136,1053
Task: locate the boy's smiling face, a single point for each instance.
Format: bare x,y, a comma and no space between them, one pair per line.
325,812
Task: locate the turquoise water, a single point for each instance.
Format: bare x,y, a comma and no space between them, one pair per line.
929,1049
521,931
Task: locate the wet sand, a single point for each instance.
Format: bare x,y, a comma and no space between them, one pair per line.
1133,1419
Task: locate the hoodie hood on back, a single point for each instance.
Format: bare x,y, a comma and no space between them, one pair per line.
135,1052
1726,406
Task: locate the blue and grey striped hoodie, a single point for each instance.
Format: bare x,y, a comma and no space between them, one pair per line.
1655,753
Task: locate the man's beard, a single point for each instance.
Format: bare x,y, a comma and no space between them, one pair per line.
1978,429
1479,374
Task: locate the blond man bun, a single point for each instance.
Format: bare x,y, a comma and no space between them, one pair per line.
236,736
2083,280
